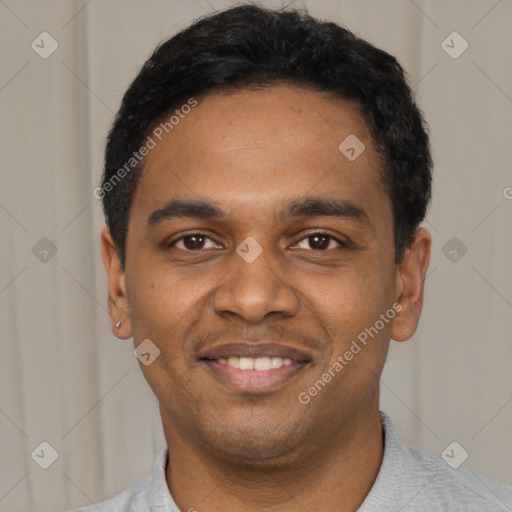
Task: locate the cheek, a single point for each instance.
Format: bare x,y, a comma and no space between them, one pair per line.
163,310
344,298
165,303
348,306
157,303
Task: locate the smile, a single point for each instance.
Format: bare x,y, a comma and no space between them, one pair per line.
254,367
258,363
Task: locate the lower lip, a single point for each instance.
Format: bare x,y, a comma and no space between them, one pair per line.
253,381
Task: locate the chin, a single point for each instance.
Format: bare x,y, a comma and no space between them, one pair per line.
252,446
253,454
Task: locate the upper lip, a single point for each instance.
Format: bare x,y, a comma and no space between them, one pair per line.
255,350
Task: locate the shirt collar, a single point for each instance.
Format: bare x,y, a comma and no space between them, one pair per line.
159,496
379,497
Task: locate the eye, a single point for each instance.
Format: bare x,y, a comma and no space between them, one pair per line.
321,241
193,242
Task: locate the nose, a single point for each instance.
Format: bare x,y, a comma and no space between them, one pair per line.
255,290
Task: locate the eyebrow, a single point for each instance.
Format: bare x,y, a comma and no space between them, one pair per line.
303,207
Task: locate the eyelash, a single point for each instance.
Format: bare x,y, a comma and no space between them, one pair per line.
341,243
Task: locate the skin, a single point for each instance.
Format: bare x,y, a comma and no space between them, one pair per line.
250,152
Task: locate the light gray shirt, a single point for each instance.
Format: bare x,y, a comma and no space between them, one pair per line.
408,481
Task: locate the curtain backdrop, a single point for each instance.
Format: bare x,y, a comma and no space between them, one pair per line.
67,381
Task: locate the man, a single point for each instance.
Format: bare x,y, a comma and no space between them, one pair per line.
264,183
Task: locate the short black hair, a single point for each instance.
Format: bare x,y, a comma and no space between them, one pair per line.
250,46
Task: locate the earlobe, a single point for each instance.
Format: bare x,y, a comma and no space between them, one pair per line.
410,279
117,296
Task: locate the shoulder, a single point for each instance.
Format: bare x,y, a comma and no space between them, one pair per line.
133,499
411,480
142,495
458,489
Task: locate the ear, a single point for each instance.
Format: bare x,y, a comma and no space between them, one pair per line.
410,280
117,298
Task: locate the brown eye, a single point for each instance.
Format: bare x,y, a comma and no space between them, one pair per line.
192,242
320,242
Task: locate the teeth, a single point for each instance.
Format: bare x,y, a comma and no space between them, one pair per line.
246,363
258,363
262,363
234,362
277,362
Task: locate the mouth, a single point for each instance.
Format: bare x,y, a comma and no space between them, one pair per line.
256,367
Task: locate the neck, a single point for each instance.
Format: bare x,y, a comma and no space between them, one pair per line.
331,475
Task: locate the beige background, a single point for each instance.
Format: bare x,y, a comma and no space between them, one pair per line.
66,380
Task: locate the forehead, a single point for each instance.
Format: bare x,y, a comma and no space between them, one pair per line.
255,147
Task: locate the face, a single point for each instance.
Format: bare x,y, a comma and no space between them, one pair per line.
257,254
